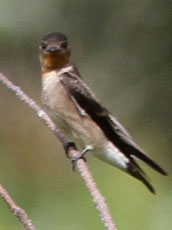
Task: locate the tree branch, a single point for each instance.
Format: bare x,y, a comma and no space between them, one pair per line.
97,197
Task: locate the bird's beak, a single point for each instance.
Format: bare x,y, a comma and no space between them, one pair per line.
53,49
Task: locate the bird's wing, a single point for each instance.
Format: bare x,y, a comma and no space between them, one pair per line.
109,125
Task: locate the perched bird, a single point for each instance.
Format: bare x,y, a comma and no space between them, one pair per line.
75,108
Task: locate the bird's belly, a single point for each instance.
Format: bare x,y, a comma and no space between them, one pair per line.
112,155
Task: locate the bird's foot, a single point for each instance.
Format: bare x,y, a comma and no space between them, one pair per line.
80,156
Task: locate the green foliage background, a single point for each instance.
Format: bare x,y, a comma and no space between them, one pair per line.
123,50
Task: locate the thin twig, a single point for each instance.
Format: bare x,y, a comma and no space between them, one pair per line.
18,211
97,197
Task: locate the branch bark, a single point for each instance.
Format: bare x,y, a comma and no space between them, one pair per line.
82,167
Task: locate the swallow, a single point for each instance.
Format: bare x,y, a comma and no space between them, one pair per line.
75,109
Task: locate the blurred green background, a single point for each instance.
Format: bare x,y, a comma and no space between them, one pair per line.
123,50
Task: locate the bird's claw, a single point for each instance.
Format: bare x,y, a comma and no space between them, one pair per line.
80,156
75,159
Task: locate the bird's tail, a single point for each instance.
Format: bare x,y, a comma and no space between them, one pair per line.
139,154
135,170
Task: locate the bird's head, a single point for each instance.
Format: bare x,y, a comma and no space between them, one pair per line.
54,51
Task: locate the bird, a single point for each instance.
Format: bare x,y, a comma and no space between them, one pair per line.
74,107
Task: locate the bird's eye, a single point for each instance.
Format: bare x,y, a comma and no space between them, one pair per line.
43,45
64,45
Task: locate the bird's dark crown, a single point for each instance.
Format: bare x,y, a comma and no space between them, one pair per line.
55,37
